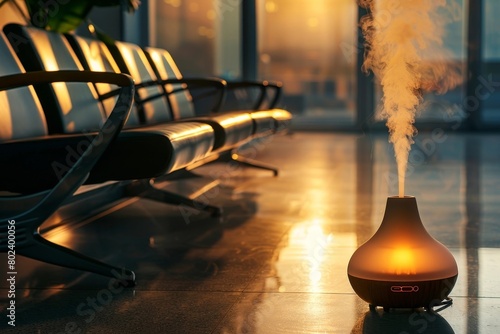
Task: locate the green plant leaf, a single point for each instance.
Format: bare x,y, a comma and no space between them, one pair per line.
65,17
58,17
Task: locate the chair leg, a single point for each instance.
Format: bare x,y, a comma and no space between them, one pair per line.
151,192
253,163
39,248
182,174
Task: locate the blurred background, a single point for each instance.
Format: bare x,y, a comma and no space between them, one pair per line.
316,49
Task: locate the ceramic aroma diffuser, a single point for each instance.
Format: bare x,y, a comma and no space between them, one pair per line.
402,266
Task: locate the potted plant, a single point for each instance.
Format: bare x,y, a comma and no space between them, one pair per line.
66,15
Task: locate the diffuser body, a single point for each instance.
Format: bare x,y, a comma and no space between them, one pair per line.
402,265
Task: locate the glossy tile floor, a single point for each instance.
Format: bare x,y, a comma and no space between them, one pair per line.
276,261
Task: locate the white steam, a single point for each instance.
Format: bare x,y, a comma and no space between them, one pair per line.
405,52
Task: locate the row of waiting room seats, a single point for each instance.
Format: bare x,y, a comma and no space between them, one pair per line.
80,119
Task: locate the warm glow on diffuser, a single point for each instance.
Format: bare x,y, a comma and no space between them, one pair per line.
402,265
401,262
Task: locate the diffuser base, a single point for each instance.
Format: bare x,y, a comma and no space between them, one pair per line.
403,294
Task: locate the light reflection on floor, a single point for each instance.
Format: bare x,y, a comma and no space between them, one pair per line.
276,262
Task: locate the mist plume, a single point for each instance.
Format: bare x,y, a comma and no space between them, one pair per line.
404,49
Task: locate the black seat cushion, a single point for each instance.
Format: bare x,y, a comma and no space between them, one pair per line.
136,154
41,162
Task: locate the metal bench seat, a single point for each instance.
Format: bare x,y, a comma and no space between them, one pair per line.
41,168
22,121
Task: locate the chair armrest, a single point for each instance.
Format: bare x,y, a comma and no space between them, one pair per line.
78,173
189,84
199,83
265,86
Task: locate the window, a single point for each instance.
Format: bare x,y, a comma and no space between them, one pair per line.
202,36
307,45
311,46
491,60
435,108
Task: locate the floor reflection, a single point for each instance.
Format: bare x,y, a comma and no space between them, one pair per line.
472,228
398,322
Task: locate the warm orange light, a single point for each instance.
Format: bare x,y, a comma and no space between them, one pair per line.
173,3
155,55
313,22
402,262
194,7
211,14
6,127
47,43
61,236
129,58
271,7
